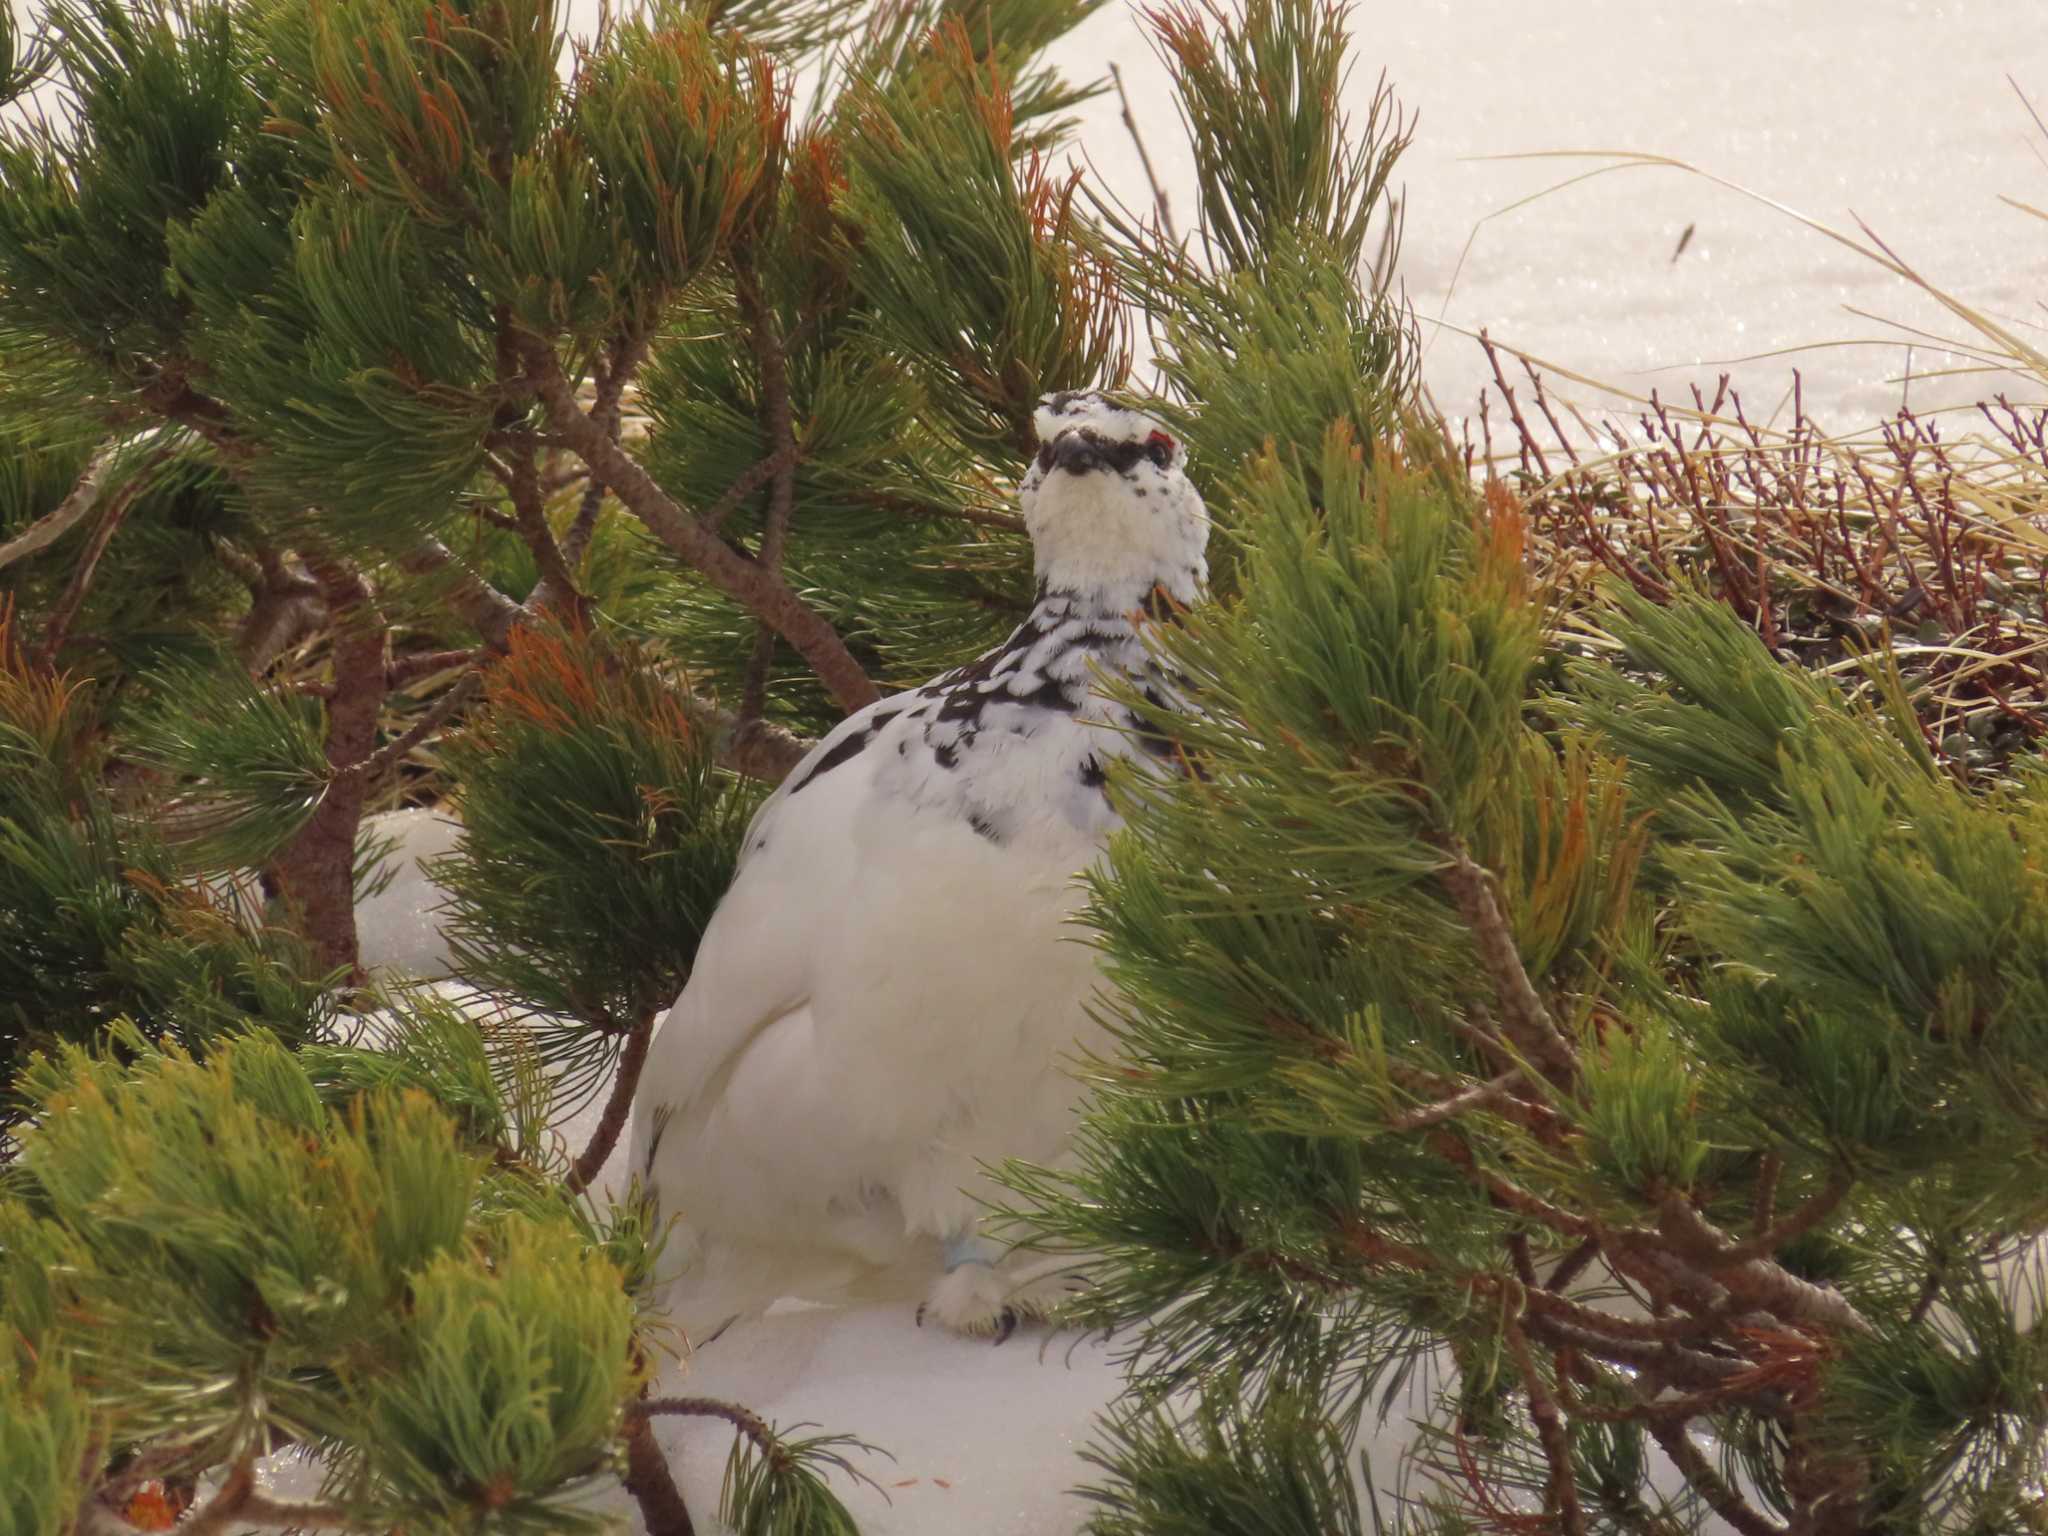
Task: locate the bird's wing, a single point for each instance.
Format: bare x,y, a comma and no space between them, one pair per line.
799,872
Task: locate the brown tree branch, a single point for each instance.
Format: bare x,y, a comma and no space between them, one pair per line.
618,1107
78,502
316,869
284,605
1479,1095
1525,1021
437,715
627,353
762,591
745,483
410,669
117,505
1561,1495
1756,1281
490,612
651,1483
1703,1478
1797,1224
1145,160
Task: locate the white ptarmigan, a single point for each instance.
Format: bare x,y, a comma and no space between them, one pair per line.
885,998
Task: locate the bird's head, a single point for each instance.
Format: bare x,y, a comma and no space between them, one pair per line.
1108,502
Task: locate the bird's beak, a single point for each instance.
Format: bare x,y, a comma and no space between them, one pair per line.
1076,453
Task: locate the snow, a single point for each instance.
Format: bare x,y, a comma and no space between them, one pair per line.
1895,110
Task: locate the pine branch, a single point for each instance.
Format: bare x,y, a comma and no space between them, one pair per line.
1759,1281
627,353
1561,1494
317,867
442,710
1116,74
1704,1479
748,481
116,509
762,591
489,611
410,669
283,605
618,1108
68,513
652,1484
1478,1096
1524,1018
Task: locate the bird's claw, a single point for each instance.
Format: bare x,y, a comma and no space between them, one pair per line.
1006,1324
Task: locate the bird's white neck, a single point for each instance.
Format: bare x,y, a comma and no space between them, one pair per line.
1077,591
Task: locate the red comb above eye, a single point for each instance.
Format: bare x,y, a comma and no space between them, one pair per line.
1160,440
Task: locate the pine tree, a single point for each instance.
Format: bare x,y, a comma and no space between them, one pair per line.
1642,1046
403,404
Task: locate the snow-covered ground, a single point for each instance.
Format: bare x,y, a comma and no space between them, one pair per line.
1899,111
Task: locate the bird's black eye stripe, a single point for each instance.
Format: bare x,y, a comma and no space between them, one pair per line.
1045,456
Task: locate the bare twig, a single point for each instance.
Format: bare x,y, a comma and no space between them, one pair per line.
1572,1265
1492,1091
626,354
1701,1475
1796,1224
410,669
1144,159
284,604
1561,1496
490,612
773,363
1764,1207
752,1425
442,710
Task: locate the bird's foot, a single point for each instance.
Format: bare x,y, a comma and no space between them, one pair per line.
978,1299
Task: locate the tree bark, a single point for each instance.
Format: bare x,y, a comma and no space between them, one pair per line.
317,868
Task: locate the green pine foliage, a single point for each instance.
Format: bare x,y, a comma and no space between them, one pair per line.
45,1437
99,918
1438,988
245,1259
597,838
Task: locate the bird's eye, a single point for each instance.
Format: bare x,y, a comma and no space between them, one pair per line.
1159,448
1045,456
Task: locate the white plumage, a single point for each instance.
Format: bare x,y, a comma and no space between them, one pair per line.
883,1001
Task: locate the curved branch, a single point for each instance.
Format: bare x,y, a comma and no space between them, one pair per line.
763,591
72,510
